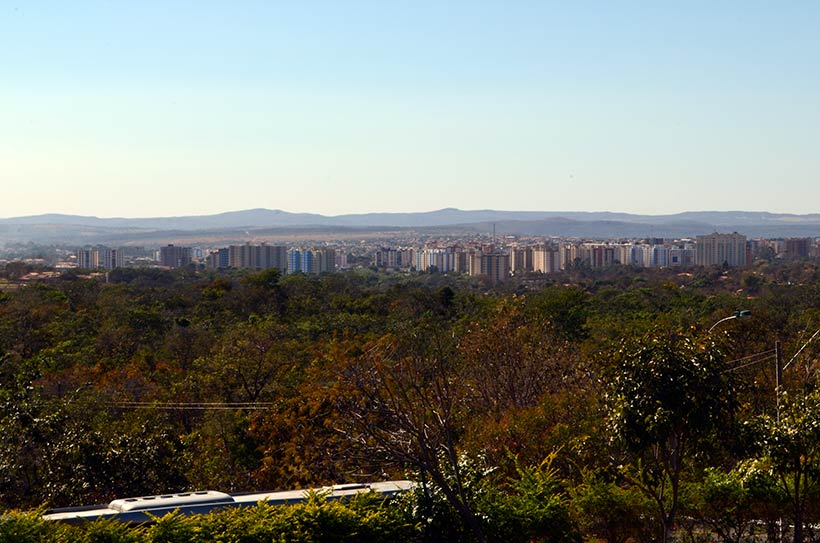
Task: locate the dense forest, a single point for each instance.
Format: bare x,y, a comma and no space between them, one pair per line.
592,405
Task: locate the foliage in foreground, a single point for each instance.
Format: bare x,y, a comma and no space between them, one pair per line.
360,376
366,518
535,509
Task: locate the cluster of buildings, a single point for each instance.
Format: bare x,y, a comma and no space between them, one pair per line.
495,261
247,256
487,260
263,257
258,257
105,258
731,250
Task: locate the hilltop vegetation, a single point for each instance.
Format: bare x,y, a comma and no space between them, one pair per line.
587,405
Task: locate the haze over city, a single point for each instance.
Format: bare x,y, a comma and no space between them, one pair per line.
164,109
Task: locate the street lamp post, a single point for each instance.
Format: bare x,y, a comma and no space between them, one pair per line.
736,315
778,374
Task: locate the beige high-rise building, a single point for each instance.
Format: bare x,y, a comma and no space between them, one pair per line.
546,259
494,265
601,255
324,260
567,253
521,260
721,249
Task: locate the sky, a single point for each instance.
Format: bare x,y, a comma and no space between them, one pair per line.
166,108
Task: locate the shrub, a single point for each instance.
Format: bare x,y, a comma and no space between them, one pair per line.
17,527
109,531
611,512
534,509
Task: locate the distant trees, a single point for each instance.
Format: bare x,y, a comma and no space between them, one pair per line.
512,358
251,361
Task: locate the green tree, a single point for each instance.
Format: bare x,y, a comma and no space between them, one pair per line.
667,393
251,361
790,446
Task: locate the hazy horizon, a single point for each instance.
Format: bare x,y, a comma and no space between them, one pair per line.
450,208
158,109
399,211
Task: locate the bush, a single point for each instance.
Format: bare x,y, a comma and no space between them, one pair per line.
535,508
613,513
16,527
110,531
174,528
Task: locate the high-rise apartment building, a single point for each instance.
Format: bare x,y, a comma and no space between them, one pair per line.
307,264
721,249
546,259
294,261
218,260
88,259
341,260
682,257
659,256
100,257
324,260
636,256
442,260
172,256
601,255
241,256
463,261
568,254
495,266
258,257
797,248
388,257
521,260
111,258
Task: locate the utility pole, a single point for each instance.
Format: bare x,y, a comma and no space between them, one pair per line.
778,376
778,372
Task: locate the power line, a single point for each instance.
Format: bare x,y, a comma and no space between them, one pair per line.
751,356
751,360
771,351
800,350
193,406
752,363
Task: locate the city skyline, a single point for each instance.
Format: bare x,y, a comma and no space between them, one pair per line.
176,109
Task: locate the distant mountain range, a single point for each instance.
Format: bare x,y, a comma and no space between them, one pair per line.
53,228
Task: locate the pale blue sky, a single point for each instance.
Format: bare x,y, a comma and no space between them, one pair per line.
149,108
